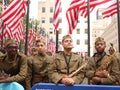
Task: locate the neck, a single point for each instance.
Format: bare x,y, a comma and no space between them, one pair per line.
67,52
11,58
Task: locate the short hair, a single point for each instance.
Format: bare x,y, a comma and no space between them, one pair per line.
40,40
99,39
66,36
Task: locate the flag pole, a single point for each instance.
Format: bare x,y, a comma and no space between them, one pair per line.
2,39
118,20
88,8
57,32
27,21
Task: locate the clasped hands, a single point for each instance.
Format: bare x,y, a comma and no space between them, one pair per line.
67,80
4,77
98,75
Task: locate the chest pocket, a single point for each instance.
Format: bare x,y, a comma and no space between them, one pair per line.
14,68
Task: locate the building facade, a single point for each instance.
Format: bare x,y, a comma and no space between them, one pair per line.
79,35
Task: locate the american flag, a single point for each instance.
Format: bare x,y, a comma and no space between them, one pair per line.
110,10
12,16
93,4
56,18
5,4
72,13
79,7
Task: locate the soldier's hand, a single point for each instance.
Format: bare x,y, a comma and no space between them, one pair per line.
2,77
3,80
102,74
67,81
96,80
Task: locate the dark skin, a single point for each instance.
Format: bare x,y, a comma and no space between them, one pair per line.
11,50
100,47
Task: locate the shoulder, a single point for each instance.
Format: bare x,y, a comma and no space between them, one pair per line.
2,56
58,54
21,54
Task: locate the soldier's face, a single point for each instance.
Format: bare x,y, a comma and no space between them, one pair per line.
67,43
100,46
41,47
12,49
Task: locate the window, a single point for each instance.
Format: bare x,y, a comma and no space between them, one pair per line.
43,9
51,31
78,42
43,20
51,9
60,20
86,42
78,31
86,31
86,21
51,20
60,30
60,9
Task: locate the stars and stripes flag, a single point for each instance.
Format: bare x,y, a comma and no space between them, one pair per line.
72,14
12,16
111,9
79,8
56,18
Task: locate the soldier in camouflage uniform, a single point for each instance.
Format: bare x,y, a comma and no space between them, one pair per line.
38,66
13,65
65,63
102,69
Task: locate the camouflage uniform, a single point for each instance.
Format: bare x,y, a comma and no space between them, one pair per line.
59,68
37,70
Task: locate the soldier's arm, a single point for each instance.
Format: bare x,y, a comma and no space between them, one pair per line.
79,77
90,68
22,73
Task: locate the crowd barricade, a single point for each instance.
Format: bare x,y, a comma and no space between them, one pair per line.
50,86
11,86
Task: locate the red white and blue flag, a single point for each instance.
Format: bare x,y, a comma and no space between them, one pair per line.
111,9
56,18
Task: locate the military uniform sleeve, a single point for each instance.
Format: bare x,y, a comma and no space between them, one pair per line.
79,77
53,74
22,73
90,68
29,73
114,73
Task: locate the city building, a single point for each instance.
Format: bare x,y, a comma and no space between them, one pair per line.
106,28
79,35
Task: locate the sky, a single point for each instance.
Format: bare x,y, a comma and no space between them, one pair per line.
33,8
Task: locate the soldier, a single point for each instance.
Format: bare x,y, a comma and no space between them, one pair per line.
101,68
111,49
38,66
65,63
13,64
34,51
